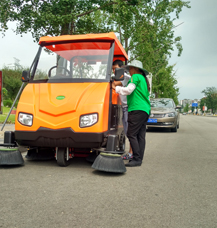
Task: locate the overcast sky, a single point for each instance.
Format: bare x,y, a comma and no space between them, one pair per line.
196,69
197,66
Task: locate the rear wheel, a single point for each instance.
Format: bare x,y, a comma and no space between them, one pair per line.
62,157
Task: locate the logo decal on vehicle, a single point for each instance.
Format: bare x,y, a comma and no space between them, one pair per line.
60,97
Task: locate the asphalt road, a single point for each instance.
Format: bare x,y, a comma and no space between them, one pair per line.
176,187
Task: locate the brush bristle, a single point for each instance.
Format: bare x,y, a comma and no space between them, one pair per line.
12,157
106,163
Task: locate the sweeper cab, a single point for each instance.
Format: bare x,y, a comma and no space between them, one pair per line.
68,107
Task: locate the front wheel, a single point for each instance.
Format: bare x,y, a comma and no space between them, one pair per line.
174,129
62,157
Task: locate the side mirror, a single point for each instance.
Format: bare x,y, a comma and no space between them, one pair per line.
178,107
25,76
119,74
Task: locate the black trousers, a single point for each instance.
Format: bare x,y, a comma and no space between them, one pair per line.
136,132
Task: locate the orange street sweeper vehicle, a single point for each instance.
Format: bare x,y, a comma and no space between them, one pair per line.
68,108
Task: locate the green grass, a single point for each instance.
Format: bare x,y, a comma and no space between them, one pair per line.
3,116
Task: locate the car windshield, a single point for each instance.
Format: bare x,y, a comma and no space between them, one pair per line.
73,61
162,103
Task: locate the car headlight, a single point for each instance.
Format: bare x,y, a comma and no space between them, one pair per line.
172,114
25,119
88,120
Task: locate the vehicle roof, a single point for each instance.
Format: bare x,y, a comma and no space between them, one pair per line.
118,51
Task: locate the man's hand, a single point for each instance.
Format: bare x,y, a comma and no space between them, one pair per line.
113,85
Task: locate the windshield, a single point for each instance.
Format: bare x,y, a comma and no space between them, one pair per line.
73,61
162,103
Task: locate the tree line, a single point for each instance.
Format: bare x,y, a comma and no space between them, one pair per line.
144,27
11,84
210,99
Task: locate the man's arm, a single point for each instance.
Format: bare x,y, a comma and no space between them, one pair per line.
117,83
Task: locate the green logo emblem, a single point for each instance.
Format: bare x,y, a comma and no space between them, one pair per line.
60,97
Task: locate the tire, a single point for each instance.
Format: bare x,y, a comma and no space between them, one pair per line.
61,157
174,129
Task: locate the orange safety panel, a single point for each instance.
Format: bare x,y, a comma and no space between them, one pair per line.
41,101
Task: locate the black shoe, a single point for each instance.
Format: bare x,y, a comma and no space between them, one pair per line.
133,163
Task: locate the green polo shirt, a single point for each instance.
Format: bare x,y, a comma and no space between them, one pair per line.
139,98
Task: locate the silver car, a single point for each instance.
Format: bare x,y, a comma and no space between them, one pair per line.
164,114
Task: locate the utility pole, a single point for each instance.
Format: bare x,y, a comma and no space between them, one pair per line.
16,63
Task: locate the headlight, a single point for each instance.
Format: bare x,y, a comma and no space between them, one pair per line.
172,114
88,120
25,119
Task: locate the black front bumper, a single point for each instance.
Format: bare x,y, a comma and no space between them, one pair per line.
45,137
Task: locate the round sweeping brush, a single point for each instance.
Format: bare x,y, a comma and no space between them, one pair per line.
10,156
109,162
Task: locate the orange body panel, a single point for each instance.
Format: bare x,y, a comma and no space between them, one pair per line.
115,98
80,98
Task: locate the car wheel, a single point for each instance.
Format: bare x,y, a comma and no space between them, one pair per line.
174,129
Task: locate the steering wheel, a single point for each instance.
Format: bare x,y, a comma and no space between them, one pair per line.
49,72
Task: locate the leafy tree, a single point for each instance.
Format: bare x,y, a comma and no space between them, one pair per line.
186,108
164,84
156,42
5,93
11,82
145,28
202,103
211,98
56,17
